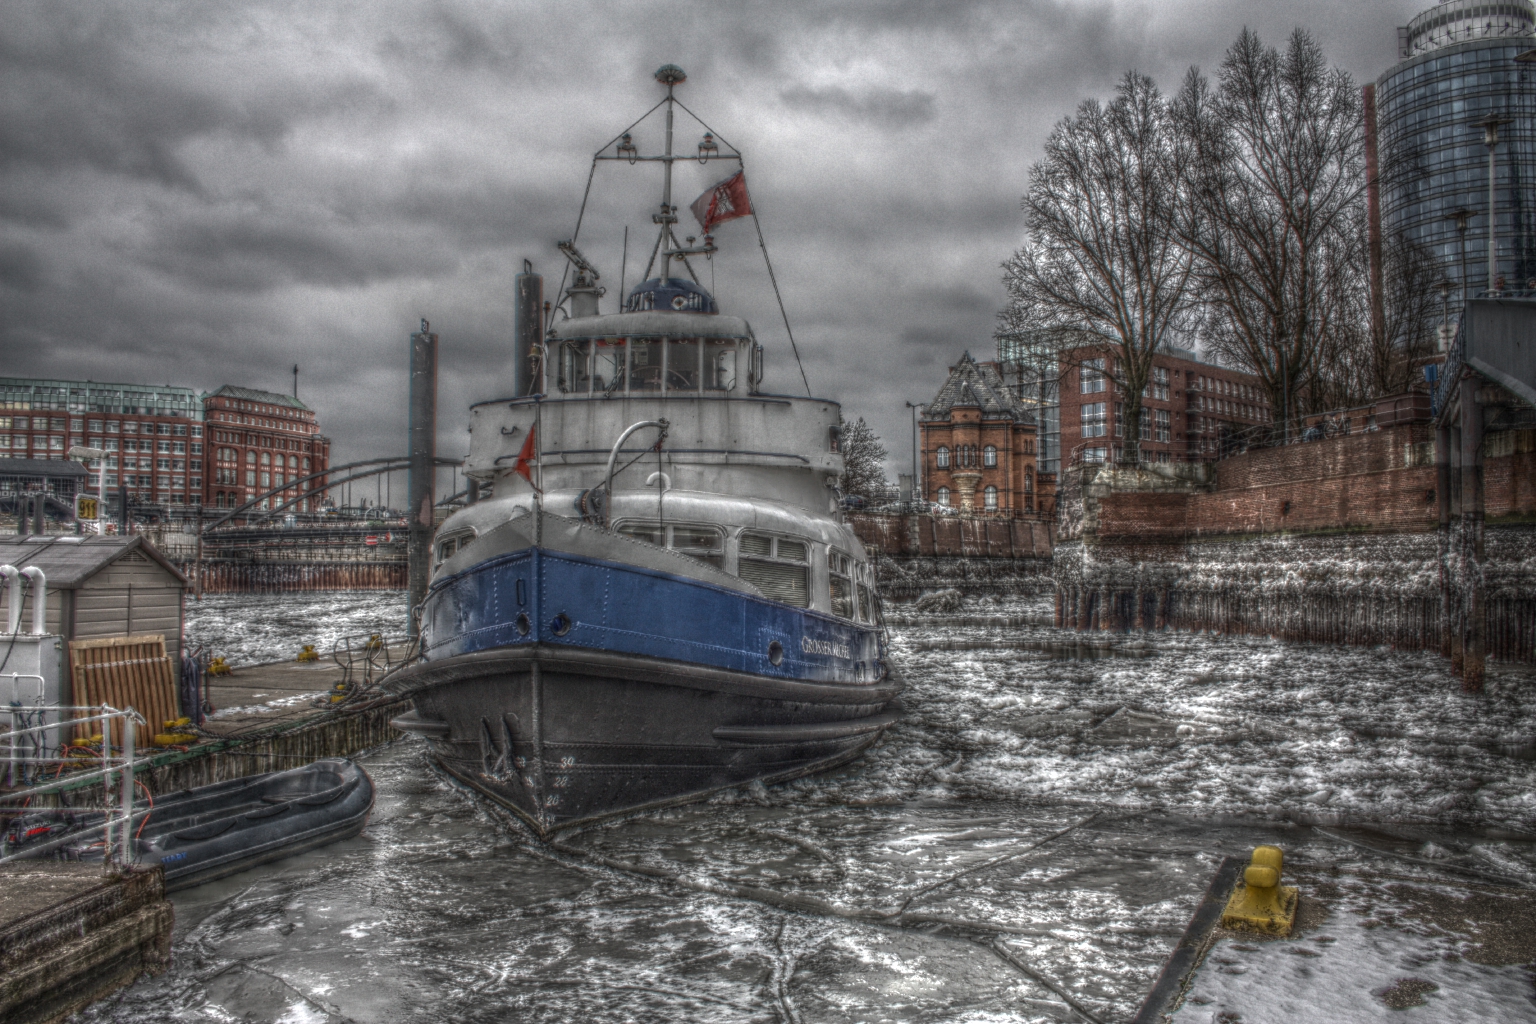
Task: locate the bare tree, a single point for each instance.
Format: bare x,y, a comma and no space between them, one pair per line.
863,460
1410,301
1102,258
1274,186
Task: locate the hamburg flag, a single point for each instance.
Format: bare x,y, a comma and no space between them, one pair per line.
723,201
525,457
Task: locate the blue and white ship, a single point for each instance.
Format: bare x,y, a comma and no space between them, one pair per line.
661,598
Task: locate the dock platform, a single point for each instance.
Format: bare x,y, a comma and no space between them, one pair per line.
1369,942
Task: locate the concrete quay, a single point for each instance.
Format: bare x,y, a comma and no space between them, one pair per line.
71,934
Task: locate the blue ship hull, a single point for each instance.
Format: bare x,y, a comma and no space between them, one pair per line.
569,687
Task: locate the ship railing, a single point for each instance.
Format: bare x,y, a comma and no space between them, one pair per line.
31,754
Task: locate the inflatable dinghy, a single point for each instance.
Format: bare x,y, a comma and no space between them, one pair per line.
202,834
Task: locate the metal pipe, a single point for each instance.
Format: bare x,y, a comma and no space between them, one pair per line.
613,456
527,315
128,727
12,576
39,598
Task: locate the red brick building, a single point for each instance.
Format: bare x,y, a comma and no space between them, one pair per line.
152,434
258,440
978,445
1188,407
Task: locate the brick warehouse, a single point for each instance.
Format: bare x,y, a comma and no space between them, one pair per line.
1188,406
978,445
260,440
153,434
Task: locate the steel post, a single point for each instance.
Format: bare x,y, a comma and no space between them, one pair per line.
420,476
527,330
1474,644
1443,507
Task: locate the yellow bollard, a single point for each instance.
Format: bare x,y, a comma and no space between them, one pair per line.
1261,903
218,667
308,653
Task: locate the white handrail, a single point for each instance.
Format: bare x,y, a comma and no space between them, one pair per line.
125,763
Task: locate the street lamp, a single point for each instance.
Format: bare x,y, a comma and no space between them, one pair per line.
1490,126
1461,216
916,487
1445,287
84,455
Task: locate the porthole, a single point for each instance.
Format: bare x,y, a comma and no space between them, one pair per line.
775,653
524,625
560,624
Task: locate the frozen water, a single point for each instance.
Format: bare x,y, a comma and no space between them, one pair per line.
248,629
1199,748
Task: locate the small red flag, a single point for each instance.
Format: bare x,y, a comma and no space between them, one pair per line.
525,457
723,201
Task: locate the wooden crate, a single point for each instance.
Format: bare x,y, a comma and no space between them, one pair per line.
126,672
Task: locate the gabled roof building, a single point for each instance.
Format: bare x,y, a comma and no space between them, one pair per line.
979,445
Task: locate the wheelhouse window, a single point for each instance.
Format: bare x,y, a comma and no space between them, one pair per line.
720,364
941,457
645,370
840,583
989,456
608,364
777,566
683,364
706,543
574,374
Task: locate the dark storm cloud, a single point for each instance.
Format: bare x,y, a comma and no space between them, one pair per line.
882,106
207,193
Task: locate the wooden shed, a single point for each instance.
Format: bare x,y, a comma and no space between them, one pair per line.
101,587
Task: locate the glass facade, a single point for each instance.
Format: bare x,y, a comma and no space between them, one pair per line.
18,393
1432,157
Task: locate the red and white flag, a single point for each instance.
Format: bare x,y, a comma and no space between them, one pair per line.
723,201
525,458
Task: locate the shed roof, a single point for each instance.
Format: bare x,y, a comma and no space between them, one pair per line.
977,385
43,467
69,560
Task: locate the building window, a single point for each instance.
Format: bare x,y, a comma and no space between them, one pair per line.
943,495
1093,419
1160,383
1164,424
1091,375
1095,454
941,457
989,456
989,497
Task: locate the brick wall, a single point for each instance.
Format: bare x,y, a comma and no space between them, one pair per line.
1381,480
920,536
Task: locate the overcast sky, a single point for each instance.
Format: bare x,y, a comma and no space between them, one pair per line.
201,193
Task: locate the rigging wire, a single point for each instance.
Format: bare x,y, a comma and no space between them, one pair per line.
736,153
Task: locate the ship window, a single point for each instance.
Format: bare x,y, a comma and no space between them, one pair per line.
781,575
682,364
865,605
608,364
720,364
839,584
574,375
447,547
645,371
706,543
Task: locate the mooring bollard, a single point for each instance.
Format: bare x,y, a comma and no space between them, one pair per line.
1261,903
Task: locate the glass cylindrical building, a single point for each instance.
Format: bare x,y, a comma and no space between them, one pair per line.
1459,66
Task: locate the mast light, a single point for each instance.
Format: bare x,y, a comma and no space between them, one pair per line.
671,74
